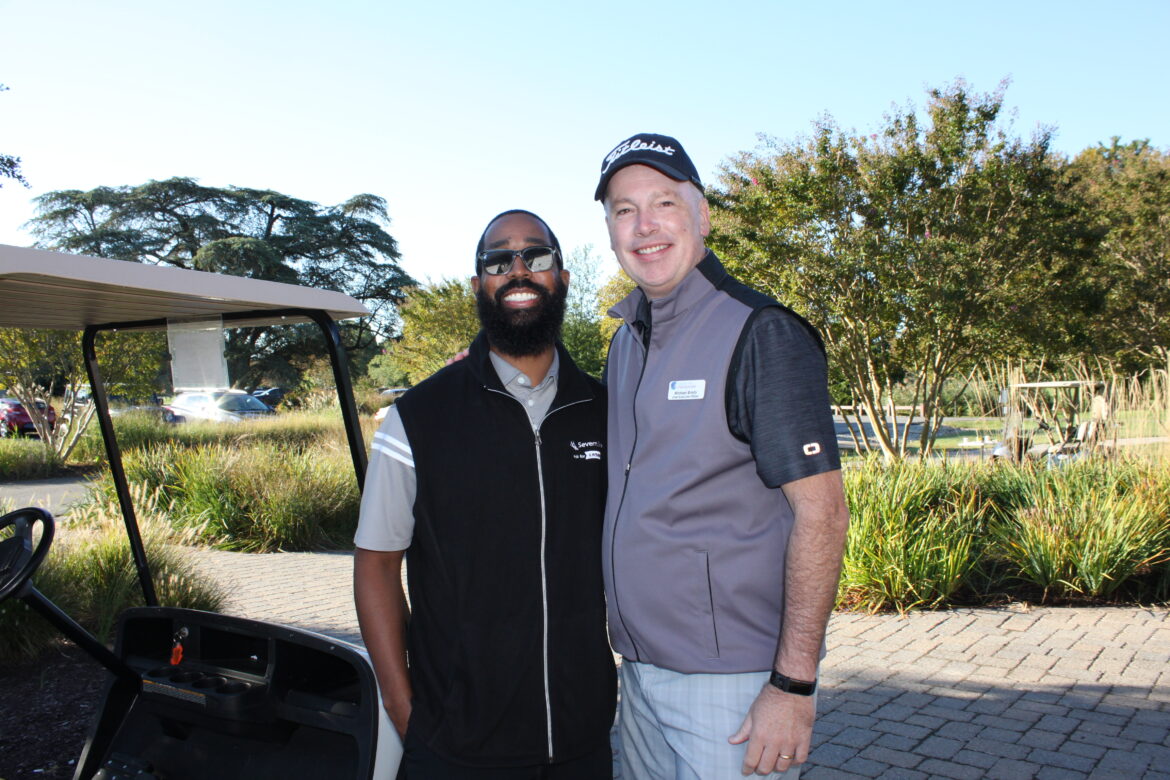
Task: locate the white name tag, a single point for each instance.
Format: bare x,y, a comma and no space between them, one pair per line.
686,390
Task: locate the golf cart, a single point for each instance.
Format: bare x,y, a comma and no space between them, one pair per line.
1053,420
195,694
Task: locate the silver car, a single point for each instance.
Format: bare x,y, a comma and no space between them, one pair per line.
217,405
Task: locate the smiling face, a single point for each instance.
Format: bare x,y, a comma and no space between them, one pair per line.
521,311
657,227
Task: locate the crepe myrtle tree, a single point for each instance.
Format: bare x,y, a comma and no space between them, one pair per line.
581,331
1127,188
256,233
934,242
47,365
438,321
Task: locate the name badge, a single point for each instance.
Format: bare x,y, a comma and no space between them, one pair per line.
686,390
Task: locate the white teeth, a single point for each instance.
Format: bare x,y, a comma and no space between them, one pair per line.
647,250
520,296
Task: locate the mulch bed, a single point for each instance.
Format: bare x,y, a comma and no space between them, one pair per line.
45,710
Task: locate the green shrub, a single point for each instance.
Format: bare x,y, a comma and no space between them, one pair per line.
930,535
22,458
915,534
142,431
90,574
369,400
254,497
1087,528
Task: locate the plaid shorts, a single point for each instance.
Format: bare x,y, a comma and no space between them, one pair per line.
674,726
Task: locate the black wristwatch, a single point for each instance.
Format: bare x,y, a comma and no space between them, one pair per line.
788,685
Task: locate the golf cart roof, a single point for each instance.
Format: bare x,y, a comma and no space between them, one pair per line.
62,291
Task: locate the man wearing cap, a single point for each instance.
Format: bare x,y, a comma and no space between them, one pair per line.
726,517
490,477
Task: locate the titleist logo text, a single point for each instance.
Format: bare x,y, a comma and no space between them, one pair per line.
635,145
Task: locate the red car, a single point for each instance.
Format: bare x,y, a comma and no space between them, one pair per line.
14,419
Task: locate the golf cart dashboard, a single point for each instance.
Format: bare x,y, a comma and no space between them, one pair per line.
228,697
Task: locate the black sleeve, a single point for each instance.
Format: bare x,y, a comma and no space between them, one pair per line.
778,399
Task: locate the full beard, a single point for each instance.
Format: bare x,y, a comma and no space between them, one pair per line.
522,332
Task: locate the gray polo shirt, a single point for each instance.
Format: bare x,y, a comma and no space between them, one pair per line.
386,521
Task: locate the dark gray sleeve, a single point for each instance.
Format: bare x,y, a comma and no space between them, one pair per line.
778,399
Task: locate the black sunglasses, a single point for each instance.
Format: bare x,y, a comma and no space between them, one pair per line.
536,259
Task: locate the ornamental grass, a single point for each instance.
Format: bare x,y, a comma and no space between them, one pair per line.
89,573
936,535
251,496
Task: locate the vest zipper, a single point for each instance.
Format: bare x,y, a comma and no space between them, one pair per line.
621,501
543,571
544,591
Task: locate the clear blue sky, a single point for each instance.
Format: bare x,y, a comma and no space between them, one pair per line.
454,111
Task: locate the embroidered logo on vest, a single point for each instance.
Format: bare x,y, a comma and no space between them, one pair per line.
586,450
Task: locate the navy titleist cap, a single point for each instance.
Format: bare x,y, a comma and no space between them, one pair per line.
661,152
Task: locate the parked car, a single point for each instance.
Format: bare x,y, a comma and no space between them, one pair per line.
14,419
217,405
271,396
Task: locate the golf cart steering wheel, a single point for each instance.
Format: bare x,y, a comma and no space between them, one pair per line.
19,558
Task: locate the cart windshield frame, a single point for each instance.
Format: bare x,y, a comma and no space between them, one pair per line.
62,291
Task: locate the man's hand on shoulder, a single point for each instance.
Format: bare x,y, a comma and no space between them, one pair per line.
778,730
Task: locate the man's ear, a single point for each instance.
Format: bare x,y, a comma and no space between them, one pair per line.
475,284
565,276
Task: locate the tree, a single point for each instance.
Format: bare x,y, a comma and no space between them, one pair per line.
9,165
44,364
260,234
915,250
611,293
384,372
438,320
581,331
1128,188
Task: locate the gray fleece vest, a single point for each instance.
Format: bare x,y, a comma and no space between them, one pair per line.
694,542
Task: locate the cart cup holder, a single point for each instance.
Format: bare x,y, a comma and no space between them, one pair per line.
196,679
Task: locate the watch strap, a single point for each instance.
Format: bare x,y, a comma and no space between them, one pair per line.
789,685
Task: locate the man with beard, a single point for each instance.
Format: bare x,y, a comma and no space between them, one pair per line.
490,477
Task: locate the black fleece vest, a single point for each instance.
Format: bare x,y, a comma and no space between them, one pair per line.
506,522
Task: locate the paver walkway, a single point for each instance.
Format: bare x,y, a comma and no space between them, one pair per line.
970,693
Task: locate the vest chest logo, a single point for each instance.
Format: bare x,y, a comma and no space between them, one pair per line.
586,450
686,390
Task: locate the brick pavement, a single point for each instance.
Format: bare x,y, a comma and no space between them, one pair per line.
969,693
